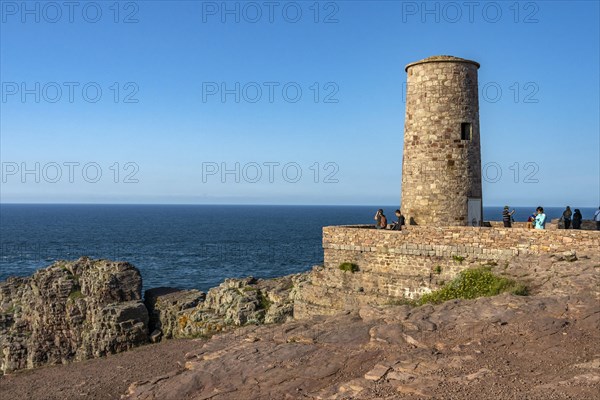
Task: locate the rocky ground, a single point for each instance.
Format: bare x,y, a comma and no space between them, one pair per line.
503,348
96,379
543,346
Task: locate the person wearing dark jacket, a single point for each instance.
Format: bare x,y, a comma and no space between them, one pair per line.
397,226
507,217
577,217
566,217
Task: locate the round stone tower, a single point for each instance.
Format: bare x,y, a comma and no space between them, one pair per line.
441,165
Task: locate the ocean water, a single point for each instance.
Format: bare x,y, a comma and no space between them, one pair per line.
184,246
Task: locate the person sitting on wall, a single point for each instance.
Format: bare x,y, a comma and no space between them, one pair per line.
381,220
397,226
540,218
531,221
566,217
597,218
507,217
577,218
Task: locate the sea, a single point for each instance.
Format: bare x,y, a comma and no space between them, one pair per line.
185,246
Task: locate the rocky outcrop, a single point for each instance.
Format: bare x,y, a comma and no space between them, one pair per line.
71,311
89,308
166,306
541,346
537,347
236,302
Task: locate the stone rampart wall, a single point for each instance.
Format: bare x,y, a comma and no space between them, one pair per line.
474,242
406,264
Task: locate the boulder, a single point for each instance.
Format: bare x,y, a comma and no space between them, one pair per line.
166,306
236,302
71,311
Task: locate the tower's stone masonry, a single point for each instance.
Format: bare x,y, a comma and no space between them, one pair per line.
441,167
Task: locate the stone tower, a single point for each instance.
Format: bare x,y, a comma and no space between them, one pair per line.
441,165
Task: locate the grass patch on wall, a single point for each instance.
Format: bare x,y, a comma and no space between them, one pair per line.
348,267
458,259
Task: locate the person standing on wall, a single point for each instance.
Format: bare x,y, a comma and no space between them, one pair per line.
597,219
507,217
566,217
540,218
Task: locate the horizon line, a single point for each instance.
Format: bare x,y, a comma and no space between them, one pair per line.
246,204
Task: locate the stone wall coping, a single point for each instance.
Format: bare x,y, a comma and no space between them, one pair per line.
438,59
417,228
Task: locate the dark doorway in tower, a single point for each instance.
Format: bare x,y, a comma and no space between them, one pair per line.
466,132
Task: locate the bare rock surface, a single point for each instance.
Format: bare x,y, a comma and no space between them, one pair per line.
236,302
542,346
70,311
96,379
165,306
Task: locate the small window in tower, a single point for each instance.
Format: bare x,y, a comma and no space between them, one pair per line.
466,132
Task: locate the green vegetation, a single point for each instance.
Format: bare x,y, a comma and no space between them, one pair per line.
473,283
348,267
520,290
14,309
289,286
70,275
401,302
458,259
438,269
75,294
264,302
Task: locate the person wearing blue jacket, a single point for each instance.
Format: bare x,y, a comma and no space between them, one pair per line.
540,218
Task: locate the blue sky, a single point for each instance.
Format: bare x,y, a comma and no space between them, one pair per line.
163,130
